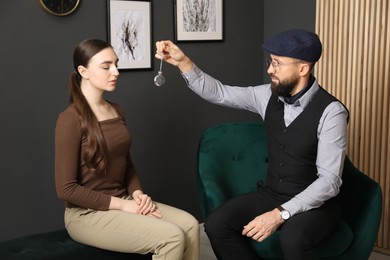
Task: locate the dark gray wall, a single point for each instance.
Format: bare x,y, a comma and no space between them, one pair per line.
281,15
36,52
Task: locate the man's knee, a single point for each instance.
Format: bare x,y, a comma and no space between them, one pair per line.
215,223
209,224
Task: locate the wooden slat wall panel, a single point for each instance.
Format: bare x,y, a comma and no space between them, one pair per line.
355,67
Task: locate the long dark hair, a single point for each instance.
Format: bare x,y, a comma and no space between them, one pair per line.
96,154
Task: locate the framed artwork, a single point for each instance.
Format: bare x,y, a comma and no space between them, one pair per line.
198,20
130,32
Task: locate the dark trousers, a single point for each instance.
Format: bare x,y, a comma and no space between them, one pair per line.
299,237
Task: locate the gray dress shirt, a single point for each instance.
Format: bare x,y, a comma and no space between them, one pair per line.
332,131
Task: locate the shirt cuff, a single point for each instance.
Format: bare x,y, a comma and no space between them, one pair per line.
292,207
192,75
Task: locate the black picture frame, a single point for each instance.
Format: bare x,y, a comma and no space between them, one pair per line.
198,20
129,31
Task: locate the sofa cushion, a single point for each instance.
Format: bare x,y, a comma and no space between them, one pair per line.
59,246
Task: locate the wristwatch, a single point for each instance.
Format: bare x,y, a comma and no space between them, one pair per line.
284,213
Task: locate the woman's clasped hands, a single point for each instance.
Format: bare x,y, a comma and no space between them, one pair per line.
145,204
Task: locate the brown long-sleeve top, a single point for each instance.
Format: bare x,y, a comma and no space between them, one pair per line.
75,184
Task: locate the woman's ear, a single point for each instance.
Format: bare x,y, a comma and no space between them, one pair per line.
83,71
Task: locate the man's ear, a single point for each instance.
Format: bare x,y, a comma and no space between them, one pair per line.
83,71
305,68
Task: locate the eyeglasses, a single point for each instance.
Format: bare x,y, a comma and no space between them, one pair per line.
276,64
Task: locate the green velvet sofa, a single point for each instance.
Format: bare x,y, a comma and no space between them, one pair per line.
57,245
232,157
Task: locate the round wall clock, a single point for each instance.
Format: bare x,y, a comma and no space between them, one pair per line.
60,7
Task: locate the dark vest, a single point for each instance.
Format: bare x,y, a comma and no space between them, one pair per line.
293,149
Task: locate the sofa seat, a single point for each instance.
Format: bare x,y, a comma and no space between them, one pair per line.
57,245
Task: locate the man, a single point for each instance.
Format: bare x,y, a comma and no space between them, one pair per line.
306,131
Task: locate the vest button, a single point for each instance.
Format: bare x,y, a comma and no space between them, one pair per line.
282,146
281,164
284,131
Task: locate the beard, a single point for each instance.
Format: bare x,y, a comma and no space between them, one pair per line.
283,88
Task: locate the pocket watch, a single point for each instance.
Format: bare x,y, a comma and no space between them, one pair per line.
60,7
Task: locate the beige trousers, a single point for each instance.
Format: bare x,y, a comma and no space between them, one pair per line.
173,237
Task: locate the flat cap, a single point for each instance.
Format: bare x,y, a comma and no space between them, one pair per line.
296,43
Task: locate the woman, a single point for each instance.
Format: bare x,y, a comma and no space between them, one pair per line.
105,205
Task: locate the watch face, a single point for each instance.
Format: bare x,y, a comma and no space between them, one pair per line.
60,7
285,214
